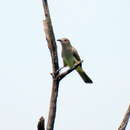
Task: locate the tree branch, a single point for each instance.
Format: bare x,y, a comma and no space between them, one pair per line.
55,65
62,75
125,120
41,124
50,37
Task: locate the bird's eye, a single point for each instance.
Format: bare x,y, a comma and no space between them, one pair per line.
65,40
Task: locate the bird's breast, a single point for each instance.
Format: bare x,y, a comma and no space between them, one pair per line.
68,58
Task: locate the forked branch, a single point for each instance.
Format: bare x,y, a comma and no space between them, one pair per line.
55,65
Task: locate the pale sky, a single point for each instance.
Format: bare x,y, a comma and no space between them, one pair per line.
99,29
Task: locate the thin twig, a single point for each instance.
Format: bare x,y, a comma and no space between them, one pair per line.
125,120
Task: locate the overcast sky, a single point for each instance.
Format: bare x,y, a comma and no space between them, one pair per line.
99,29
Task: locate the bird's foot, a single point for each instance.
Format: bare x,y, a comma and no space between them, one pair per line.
78,63
59,69
54,75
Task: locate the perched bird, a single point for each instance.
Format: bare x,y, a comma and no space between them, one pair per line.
70,57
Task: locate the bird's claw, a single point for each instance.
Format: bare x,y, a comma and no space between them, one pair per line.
54,75
59,69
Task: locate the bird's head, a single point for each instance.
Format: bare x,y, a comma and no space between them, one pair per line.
64,41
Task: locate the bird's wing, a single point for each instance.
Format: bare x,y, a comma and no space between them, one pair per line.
75,54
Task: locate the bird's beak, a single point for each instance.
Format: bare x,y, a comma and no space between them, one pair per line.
59,40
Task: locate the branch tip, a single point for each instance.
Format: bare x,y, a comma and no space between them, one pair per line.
41,124
124,123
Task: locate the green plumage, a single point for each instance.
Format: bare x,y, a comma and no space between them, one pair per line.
70,57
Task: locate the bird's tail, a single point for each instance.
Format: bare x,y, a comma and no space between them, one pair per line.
83,75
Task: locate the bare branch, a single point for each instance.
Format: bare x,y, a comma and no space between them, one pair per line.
62,75
55,65
125,120
50,37
41,124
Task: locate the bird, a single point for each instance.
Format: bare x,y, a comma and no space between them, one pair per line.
71,57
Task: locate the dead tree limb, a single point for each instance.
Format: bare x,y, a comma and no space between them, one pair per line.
41,124
125,120
55,65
